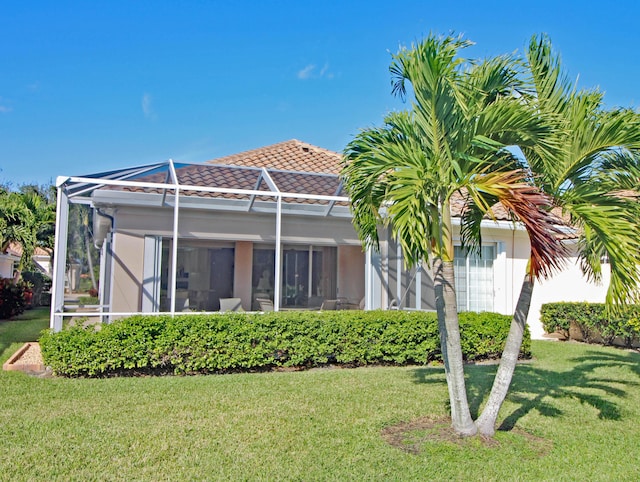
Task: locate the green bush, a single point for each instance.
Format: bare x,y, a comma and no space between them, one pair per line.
196,343
88,300
39,283
12,298
594,322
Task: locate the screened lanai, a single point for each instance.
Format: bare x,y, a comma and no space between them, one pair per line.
178,236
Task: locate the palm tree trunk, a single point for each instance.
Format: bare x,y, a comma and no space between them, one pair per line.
444,284
87,244
487,421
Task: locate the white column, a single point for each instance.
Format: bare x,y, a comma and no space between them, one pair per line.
60,258
174,253
278,273
419,285
368,280
399,273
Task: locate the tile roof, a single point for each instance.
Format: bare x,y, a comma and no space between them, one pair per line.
244,177
15,249
292,155
459,200
294,166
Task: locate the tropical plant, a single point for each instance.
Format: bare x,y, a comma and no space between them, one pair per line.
27,218
593,180
452,142
81,248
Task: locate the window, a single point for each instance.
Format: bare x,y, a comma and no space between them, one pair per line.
474,278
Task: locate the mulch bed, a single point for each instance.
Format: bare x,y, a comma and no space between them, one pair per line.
413,436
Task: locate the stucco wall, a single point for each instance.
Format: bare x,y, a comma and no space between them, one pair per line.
243,273
351,273
127,272
239,226
6,267
568,285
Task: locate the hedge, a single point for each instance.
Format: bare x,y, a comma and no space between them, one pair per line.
229,342
593,323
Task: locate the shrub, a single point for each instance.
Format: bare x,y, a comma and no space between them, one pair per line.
39,283
12,299
594,322
88,300
196,343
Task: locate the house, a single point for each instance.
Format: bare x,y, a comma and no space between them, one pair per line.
268,224
10,259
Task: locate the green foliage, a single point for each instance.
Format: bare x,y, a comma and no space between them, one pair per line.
195,343
12,298
594,321
88,300
27,218
484,333
39,283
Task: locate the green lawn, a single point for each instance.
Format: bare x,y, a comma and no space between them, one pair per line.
575,410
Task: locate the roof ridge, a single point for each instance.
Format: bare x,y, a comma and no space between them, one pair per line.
290,155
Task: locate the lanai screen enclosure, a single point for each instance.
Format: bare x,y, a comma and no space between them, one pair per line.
183,236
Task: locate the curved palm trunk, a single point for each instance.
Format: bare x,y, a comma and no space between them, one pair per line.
87,244
487,421
444,284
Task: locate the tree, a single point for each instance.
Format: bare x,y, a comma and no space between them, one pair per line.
27,218
587,180
453,140
81,248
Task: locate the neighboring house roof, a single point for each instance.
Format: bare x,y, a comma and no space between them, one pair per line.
292,155
15,249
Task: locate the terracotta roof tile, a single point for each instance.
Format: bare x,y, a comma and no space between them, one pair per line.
292,155
242,177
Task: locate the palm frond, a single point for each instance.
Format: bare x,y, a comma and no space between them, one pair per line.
529,206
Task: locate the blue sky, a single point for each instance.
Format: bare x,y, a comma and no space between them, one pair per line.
93,86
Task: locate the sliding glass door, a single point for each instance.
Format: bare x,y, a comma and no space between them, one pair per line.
308,275
204,274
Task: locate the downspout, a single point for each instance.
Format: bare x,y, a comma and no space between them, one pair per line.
106,257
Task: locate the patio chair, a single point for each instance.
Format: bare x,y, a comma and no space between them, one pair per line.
265,304
231,304
329,305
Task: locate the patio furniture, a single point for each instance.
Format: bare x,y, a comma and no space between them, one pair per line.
265,304
231,304
329,305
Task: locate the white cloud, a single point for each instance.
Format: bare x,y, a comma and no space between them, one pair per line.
147,107
307,72
311,72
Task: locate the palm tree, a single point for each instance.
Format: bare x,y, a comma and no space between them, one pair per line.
453,140
587,180
28,219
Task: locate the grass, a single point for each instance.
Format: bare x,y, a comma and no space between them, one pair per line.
574,411
21,329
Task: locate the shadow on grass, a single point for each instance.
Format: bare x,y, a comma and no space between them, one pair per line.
533,387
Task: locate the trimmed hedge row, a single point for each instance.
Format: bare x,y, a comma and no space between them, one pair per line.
194,343
592,323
